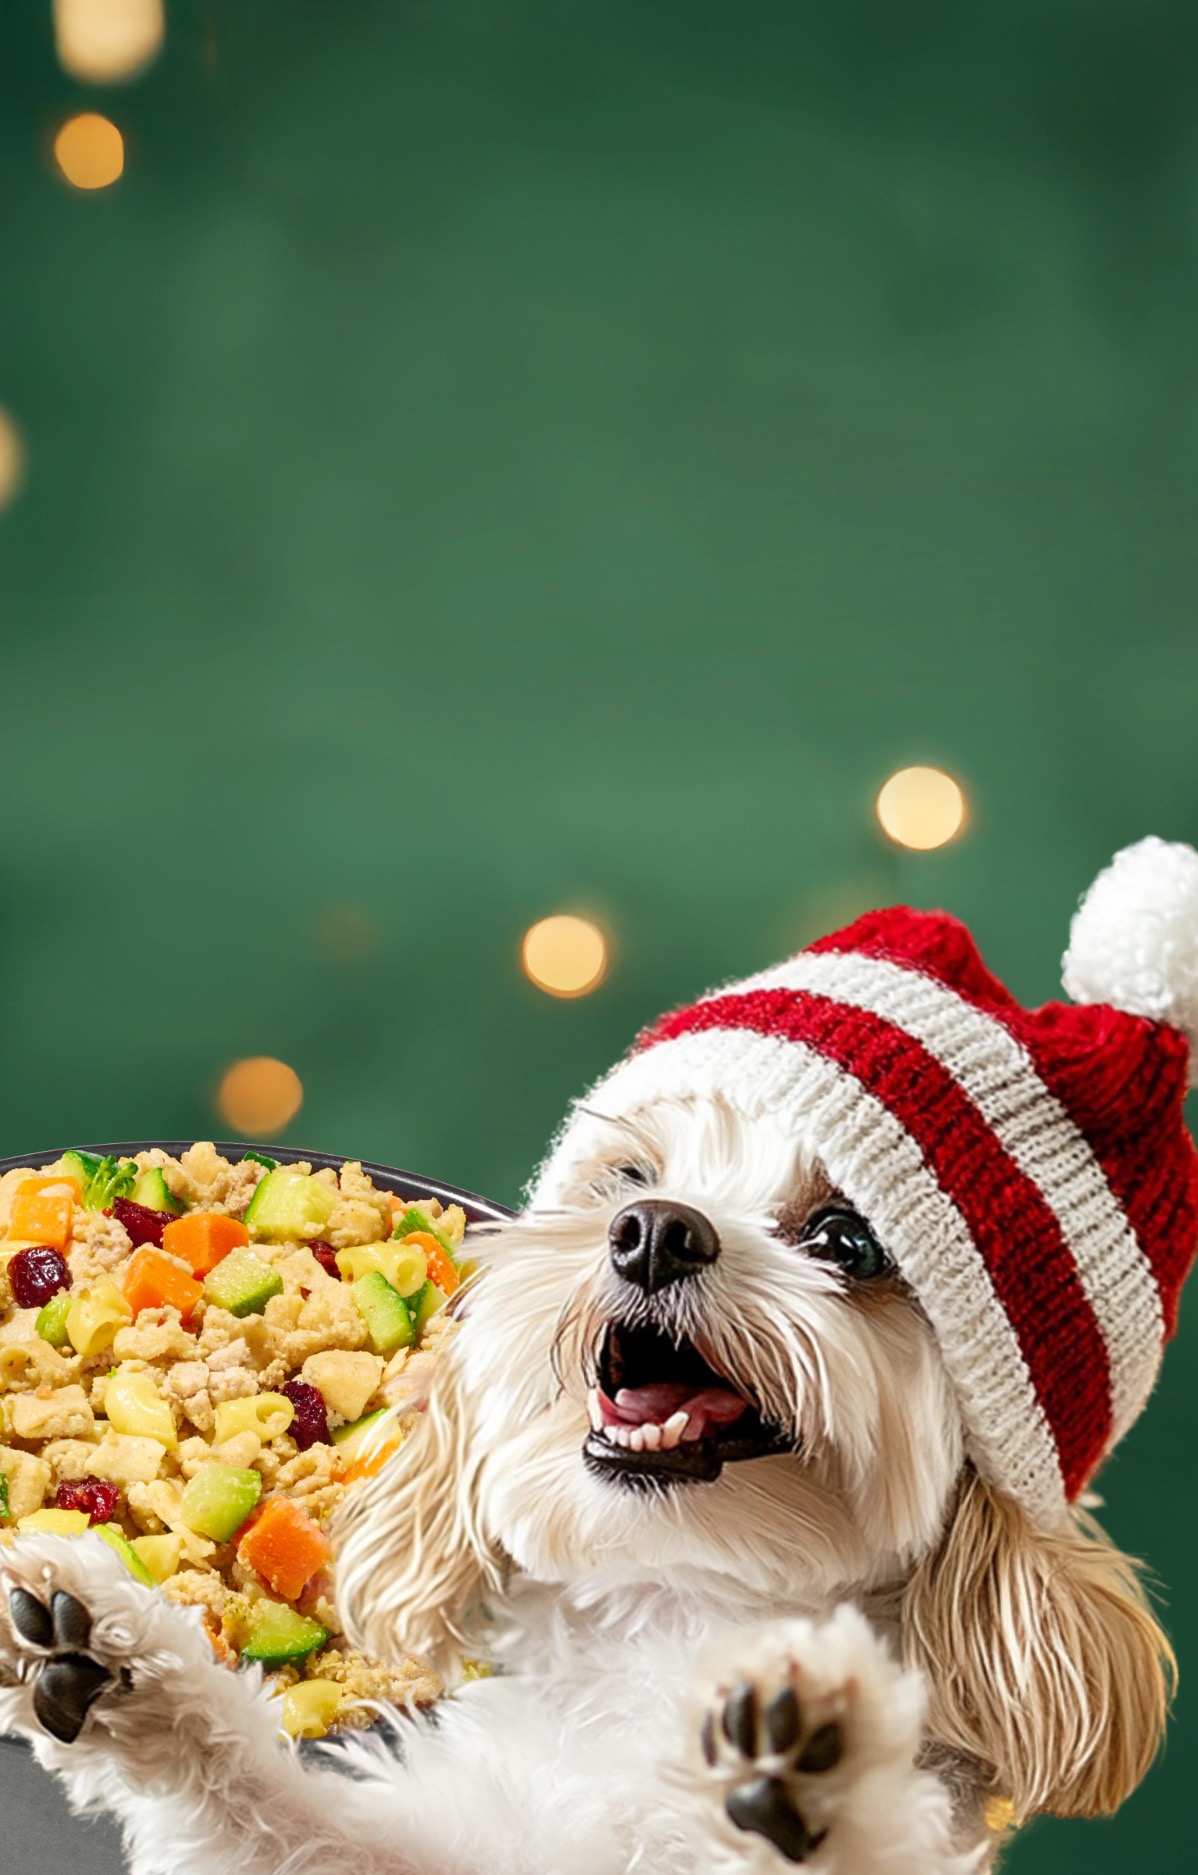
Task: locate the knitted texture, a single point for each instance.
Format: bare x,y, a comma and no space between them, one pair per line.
1029,1170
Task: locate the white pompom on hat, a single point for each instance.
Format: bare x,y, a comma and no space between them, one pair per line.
1134,938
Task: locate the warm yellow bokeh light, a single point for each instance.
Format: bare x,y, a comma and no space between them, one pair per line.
921,807
102,41
259,1096
12,459
90,151
564,956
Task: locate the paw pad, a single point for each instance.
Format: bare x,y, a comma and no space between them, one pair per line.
30,1619
765,1746
765,1809
68,1681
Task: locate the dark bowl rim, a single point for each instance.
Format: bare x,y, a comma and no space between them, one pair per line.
479,1210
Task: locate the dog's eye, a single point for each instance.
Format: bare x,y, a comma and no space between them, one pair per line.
842,1237
612,1180
632,1174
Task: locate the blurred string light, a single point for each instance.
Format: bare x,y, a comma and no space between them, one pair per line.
921,808
564,956
12,459
259,1096
105,41
90,151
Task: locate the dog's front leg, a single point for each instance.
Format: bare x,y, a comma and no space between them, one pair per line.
805,1752
121,1697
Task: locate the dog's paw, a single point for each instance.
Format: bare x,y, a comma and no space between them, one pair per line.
796,1726
75,1632
772,1740
66,1679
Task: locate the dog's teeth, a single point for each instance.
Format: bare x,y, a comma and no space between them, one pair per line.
613,1434
594,1410
636,1438
651,1437
671,1432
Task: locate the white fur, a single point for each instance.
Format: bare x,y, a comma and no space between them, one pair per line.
1134,938
615,1619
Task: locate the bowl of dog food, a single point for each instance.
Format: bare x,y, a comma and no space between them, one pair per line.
203,1348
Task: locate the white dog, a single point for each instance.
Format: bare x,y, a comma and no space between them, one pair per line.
708,1473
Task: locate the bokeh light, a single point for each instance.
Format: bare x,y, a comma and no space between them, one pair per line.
921,807
90,151
104,41
564,956
12,459
259,1096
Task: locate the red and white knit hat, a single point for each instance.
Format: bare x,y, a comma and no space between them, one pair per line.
1029,1170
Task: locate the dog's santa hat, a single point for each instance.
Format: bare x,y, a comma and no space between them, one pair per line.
1029,1170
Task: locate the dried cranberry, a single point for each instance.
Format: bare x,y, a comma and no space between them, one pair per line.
311,1423
36,1275
94,1495
142,1224
326,1256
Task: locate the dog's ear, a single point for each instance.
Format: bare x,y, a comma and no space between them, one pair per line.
1044,1663
411,1562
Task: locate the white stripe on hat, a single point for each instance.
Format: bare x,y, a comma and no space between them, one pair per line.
871,1157
1031,1125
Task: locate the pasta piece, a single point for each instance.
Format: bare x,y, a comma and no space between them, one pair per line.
95,1315
266,1414
134,1405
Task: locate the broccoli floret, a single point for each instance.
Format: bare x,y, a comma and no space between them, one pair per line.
5,1513
109,1181
101,1180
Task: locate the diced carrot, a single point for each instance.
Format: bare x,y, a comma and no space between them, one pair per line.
62,1185
371,1465
286,1547
152,1281
441,1268
202,1238
41,1217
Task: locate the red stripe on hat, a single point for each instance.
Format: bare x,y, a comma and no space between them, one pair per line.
1123,1079
1120,1078
1017,1236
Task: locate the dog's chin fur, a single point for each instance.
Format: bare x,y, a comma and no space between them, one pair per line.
853,1382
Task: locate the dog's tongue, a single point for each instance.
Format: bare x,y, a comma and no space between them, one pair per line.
642,1406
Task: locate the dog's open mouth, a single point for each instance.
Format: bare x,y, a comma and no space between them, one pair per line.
661,1411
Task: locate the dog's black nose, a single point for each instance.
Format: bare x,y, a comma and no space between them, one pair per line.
658,1242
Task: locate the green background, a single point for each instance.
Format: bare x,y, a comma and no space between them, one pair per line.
488,460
